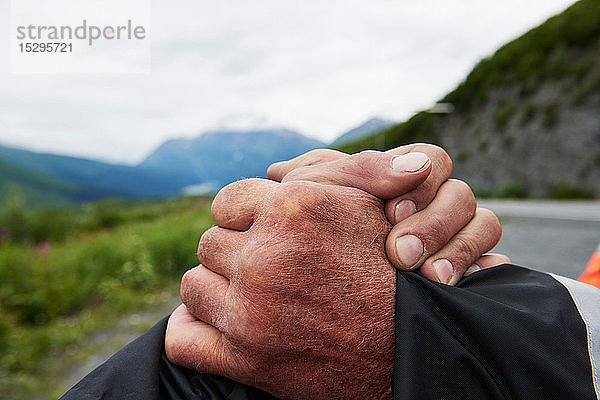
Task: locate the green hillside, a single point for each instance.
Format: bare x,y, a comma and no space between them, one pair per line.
36,188
73,272
94,180
536,99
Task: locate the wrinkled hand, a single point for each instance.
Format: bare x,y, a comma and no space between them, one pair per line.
295,294
438,227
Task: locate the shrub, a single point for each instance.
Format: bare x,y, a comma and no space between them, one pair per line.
14,223
551,116
589,87
483,144
463,155
503,115
512,189
528,88
528,114
569,191
508,142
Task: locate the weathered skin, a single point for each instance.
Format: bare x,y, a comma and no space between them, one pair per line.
296,295
308,310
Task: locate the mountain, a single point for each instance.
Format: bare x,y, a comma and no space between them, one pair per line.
526,121
367,128
202,164
214,159
74,179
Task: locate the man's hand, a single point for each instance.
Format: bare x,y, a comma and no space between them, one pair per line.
295,294
438,227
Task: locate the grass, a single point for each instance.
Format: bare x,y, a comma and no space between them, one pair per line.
56,291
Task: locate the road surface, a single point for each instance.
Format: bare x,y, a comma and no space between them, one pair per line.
551,236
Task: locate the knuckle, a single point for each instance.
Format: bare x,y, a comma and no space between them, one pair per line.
222,201
366,157
366,154
206,244
423,194
317,156
276,170
364,160
226,192
436,234
491,222
466,247
462,191
186,289
296,195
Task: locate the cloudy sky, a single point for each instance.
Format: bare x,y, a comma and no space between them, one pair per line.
316,66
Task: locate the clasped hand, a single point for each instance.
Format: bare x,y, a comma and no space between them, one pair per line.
296,288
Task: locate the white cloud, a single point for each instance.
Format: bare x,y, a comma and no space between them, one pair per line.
320,67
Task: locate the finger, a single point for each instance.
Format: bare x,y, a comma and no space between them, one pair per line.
204,294
235,204
419,236
487,261
194,344
384,175
479,236
406,204
278,170
219,250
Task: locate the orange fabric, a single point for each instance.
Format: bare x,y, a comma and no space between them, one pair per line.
591,274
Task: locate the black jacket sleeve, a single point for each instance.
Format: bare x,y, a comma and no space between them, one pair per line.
502,333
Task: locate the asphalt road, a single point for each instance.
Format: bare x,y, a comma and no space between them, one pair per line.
551,236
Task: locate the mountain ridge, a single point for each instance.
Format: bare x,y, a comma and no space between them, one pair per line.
225,156
69,180
369,127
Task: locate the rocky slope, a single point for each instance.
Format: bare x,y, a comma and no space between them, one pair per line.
526,121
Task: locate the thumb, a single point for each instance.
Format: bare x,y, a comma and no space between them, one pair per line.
384,175
278,170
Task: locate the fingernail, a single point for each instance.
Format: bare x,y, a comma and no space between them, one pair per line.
404,209
472,268
444,270
410,162
409,250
